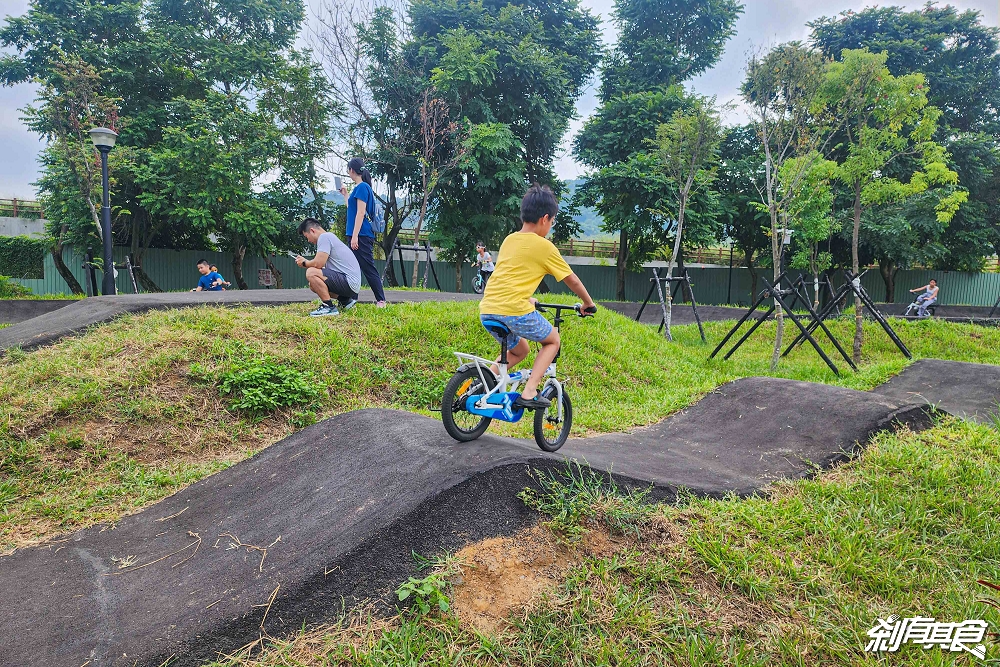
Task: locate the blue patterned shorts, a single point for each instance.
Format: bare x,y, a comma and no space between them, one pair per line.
532,326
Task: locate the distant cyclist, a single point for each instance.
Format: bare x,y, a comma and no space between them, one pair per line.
928,298
484,261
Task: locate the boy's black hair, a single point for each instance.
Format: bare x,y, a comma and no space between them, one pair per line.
934,279
539,201
307,223
203,261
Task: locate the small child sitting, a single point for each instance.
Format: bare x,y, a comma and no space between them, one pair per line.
210,280
524,259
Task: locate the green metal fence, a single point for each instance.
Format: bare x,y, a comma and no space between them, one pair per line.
175,270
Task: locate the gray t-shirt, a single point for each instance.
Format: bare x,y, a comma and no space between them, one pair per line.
341,259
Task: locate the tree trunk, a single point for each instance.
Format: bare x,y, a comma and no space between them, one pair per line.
389,238
240,252
685,288
138,256
622,267
458,276
57,258
670,267
855,267
888,269
777,246
420,223
278,282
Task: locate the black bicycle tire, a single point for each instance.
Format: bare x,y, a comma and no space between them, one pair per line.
448,400
539,426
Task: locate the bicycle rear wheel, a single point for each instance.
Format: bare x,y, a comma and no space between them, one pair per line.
551,433
459,422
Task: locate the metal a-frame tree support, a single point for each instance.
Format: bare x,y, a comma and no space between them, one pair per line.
656,283
853,284
778,294
428,267
994,308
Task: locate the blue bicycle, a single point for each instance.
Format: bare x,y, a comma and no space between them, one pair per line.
474,396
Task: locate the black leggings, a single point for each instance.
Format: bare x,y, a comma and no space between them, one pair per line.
366,258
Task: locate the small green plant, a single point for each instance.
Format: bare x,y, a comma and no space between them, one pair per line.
579,492
430,592
260,385
11,290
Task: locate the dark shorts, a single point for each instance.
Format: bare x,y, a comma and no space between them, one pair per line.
336,282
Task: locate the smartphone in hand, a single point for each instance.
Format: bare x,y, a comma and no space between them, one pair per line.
338,184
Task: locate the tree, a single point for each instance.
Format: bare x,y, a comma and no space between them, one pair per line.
203,175
69,105
153,56
521,65
688,149
438,156
960,58
790,116
886,118
810,213
739,181
661,44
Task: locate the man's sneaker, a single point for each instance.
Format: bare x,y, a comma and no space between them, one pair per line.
324,310
347,305
539,402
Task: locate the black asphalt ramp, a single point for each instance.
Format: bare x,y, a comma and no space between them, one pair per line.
339,507
965,390
76,318
748,433
331,511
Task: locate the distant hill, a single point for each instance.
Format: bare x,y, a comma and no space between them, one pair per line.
589,219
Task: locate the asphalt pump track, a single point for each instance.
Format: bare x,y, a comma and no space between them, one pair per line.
330,516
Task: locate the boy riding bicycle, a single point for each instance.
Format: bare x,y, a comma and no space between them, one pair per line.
524,259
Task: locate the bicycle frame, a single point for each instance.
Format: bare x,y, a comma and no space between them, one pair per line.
508,383
506,389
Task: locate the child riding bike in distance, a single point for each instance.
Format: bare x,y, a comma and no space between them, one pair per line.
524,259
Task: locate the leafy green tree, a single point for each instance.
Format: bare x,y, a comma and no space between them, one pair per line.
810,213
69,105
960,58
156,57
203,175
661,44
739,183
522,65
789,110
688,148
886,118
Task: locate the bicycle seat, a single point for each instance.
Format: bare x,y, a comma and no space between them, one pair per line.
498,328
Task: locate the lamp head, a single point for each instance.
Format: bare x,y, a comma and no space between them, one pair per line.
103,138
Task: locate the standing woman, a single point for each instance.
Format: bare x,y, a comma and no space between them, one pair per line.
361,236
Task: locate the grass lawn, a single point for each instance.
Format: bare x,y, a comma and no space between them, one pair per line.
103,424
794,579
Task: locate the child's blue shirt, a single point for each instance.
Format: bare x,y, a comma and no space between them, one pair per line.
205,282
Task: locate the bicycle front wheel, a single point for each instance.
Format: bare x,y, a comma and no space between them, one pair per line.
459,422
477,284
551,432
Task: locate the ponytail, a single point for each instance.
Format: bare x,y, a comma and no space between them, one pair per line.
357,165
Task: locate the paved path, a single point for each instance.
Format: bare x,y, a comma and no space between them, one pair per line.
352,496
76,318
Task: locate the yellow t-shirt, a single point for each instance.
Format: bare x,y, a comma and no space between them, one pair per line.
524,259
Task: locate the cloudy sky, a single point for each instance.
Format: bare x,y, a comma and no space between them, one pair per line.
763,22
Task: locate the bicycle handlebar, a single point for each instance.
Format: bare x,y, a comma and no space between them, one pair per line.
558,307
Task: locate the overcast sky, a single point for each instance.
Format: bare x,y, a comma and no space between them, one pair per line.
763,22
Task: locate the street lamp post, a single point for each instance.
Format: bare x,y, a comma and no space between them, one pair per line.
104,141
